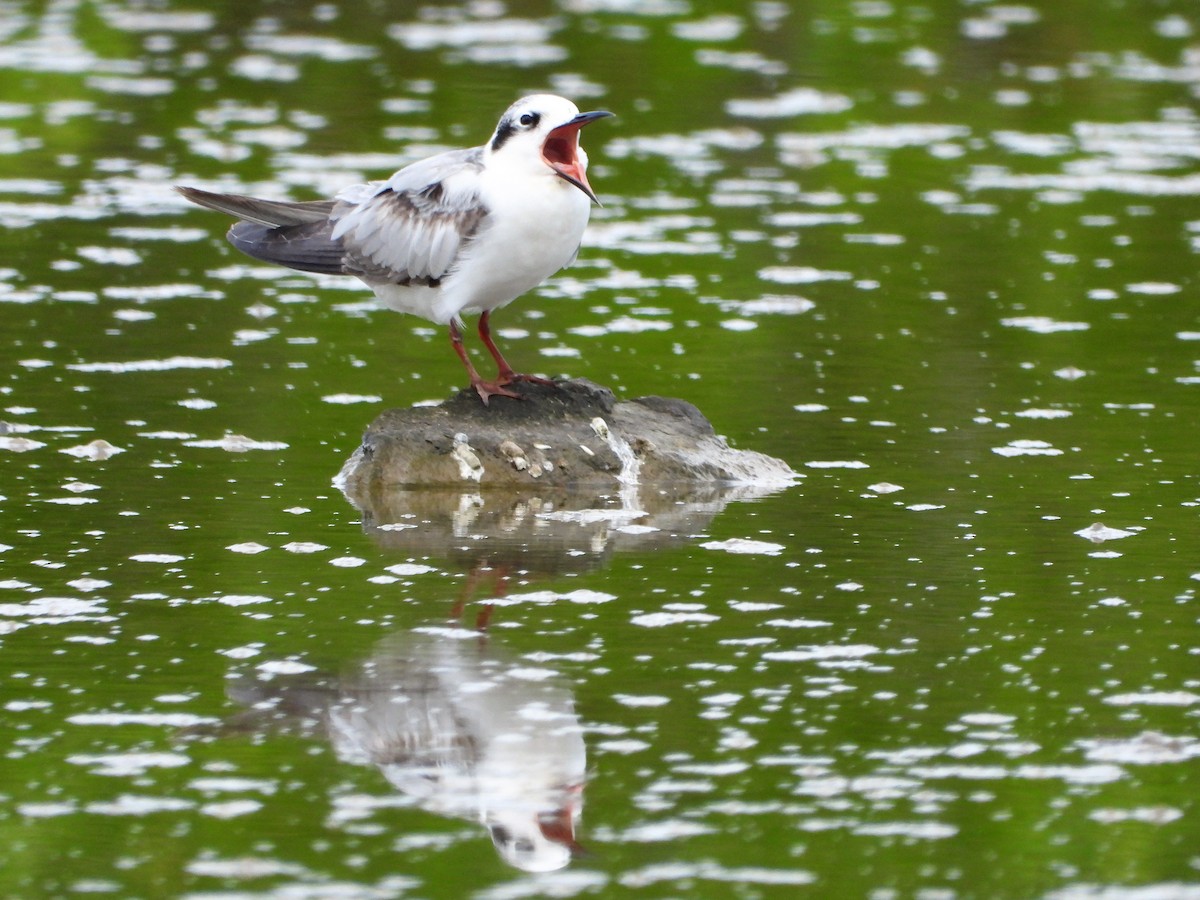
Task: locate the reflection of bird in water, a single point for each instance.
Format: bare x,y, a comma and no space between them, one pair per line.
463,731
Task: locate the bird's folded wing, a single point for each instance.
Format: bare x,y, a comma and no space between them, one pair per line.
414,226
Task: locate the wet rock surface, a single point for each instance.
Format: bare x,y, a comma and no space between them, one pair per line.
570,434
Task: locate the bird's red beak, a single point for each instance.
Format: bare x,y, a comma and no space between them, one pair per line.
561,151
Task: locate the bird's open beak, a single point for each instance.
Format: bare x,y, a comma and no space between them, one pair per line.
561,151
559,827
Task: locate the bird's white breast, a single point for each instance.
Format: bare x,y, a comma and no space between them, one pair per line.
533,227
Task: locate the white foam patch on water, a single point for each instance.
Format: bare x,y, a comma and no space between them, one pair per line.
1026,447
836,464
1147,748
432,35
115,256
246,867
664,619
1043,413
739,325
153,365
1043,324
641,699
46,810
230,809
19,444
682,872
245,336
622,325
800,275
344,399
55,609
285,667
234,785
175,233
753,606
249,547
25,705
983,178
128,764
242,599
236,443
1160,288
157,720
1154,698
797,623
241,652
624,746
582,596
769,304
797,102
823,652
1070,373
409,569
95,451
148,293
131,805
165,558
1149,815
745,546
669,830
925,831
1098,532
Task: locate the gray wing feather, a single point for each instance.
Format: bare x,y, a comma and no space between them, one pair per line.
409,229
417,223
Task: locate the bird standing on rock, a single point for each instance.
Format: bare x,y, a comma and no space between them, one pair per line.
460,232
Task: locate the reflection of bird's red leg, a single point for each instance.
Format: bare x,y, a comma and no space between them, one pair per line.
499,591
476,577
485,389
504,372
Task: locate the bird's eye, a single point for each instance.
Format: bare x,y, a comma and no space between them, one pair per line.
529,119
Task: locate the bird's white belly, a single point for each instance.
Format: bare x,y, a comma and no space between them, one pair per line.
529,236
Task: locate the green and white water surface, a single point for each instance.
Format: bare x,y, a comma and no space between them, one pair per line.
940,256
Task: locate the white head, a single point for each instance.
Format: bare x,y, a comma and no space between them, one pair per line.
543,843
540,133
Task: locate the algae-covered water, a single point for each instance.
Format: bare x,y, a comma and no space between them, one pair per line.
941,257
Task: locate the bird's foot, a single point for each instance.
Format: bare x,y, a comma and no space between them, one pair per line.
487,389
510,377
498,388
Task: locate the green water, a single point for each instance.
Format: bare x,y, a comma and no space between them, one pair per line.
939,257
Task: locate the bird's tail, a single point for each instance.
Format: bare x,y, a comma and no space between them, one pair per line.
296,235
271,213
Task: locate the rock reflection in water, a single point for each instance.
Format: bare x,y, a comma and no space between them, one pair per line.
456,725
546,532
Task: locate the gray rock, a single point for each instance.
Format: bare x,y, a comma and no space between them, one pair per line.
571,434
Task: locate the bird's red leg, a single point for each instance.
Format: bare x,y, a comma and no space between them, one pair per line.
485,389
504,372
